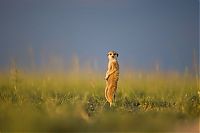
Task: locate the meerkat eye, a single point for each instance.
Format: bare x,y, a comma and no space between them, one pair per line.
110,54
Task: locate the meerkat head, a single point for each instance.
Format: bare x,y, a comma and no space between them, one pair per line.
112,55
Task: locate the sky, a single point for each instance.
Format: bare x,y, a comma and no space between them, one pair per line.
143,32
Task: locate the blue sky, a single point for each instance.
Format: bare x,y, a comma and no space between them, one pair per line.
144,32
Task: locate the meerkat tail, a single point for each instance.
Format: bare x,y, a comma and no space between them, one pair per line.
106,96
110,104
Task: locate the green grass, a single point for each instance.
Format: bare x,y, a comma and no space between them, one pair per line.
145,102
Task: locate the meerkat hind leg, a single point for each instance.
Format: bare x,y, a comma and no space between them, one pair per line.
111,97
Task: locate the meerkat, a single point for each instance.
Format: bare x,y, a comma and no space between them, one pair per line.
112,76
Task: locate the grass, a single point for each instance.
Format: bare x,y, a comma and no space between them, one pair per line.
145,102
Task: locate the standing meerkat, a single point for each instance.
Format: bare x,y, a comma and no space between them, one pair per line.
112,76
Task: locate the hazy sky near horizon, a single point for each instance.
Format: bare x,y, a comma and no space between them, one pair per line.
144,32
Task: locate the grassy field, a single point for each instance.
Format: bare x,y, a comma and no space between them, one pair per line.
145,102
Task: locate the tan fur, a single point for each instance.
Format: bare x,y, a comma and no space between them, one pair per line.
112,76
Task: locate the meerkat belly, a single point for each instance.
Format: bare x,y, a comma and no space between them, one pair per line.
113,78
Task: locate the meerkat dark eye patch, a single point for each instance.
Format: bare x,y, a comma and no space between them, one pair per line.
116,54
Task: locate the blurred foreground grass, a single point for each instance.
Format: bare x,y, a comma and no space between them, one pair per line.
145,102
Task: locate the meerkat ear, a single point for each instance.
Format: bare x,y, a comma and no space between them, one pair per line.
117,54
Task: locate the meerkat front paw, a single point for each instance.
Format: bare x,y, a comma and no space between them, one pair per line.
106,78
